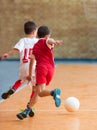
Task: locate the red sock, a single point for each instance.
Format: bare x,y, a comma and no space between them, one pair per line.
16,85
32,94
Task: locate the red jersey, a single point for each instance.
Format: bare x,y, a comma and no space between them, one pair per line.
43,54
44,62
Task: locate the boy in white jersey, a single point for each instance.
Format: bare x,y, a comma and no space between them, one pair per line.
24,48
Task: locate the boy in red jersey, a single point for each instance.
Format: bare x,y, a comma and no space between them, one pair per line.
43,54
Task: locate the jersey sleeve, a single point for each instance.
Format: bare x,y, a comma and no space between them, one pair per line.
19,45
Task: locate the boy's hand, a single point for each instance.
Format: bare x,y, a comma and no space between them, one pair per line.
4,56
52,42
29,78
58,42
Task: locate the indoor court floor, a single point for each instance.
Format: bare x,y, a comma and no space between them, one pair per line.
74,79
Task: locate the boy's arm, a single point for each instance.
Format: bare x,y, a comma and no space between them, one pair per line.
32,60
6,55
51,42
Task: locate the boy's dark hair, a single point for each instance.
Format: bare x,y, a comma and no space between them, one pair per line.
43,31
29,27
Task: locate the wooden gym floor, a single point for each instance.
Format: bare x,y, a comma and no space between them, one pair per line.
79,80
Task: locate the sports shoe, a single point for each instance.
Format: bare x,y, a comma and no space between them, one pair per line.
25,113
31,114
56,96
7,94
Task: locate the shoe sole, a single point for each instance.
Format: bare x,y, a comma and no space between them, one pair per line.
20,116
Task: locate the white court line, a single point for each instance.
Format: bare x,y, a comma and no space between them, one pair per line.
62,110
1,100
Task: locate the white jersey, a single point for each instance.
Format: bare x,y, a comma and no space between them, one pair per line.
25,46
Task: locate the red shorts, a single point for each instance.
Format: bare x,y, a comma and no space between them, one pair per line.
44,74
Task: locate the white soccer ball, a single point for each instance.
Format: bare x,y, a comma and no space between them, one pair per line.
72,104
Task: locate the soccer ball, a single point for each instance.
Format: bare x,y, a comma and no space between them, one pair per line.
72,104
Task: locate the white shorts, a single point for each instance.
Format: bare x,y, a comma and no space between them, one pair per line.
24,72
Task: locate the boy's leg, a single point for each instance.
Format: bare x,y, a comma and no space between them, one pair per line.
29,111
11,90
17,84
42,92
31,114
55,93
